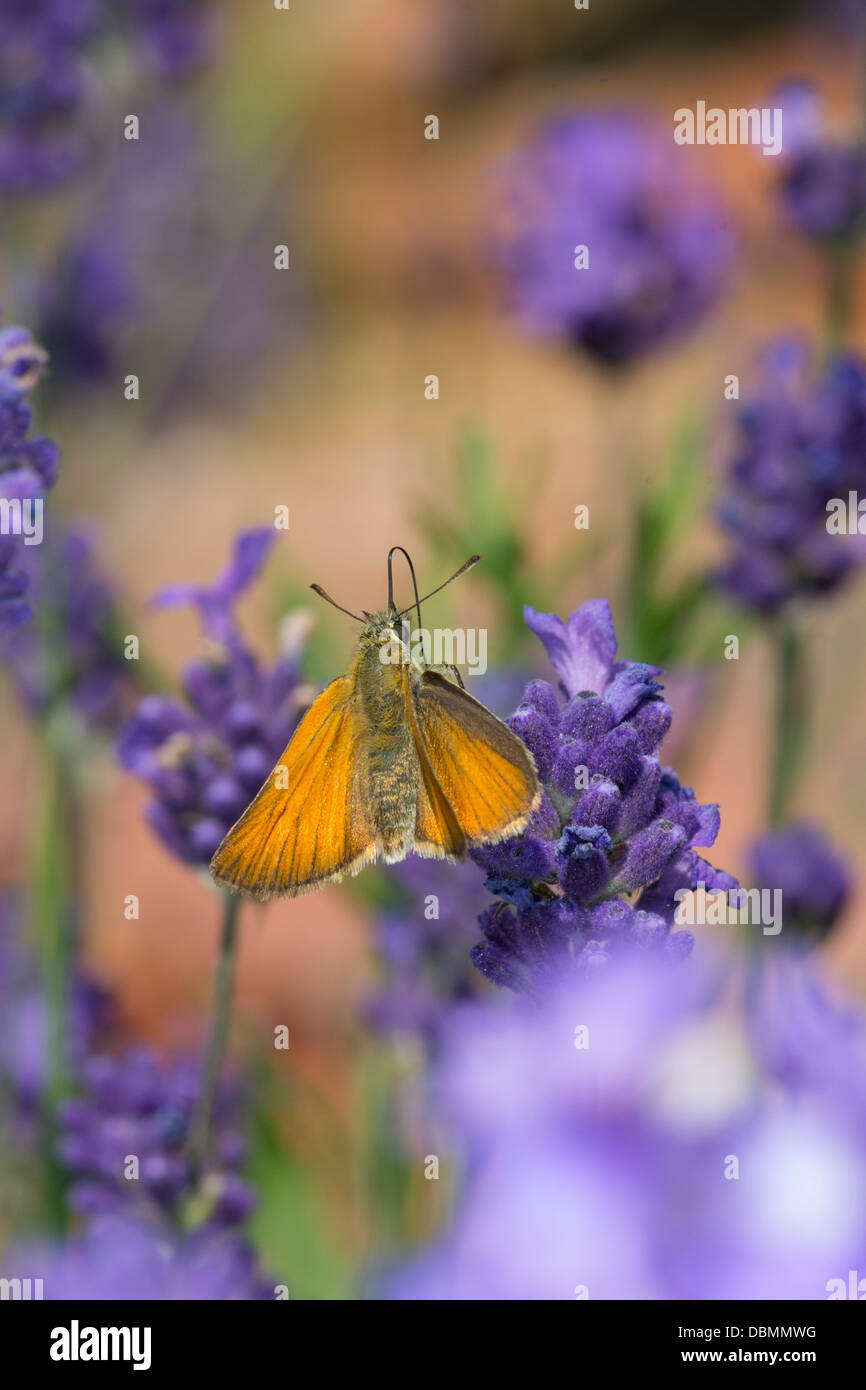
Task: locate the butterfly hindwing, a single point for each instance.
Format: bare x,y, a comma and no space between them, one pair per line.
484,783
308,824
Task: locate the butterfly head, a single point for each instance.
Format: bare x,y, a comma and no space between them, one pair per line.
392,617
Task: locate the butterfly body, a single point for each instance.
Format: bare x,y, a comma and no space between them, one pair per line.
392,758
391,765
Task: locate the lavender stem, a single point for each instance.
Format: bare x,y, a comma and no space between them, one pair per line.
217,1040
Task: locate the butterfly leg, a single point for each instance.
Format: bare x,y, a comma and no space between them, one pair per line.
450,673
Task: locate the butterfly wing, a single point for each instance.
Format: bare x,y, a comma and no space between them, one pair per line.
308,824
478,782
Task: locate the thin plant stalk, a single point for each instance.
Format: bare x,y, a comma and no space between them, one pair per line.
55,899
790,724
217,1038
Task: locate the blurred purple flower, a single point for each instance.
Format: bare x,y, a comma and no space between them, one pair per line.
72,655
205,760
823,183
28,467
598,867
178,36
23,1008
154,266
43,88
22,362
423,946
801,446
85,304
125,1108
128,1107
118,1258
47,81
659,249
132,264
812,877
623,1141
808,1041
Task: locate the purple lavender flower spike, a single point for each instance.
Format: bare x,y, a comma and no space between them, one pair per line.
46,86
614,823
582,649
28,468
214,603
178,36
823,183
43,91
205,760
119,1257
81,663
131,1105
801,453
24,1066
22,363
424,946
814,880
658,248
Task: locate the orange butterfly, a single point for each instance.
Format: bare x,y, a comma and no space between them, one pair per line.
391,758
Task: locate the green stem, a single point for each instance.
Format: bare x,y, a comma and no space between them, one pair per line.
840,258
790,719
55,902
217,1040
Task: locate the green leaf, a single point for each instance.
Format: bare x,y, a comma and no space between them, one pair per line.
292,1226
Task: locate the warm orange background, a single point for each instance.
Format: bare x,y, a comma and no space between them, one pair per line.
327,105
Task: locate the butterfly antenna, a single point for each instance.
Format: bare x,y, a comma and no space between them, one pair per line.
473,560
417,603
317,588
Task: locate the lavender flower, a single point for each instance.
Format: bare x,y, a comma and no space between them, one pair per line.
71,655
658,248
598,867
111,286
628,1140
28,467
423,945
204,760
47,79
86,302
124,1146
118,1258
801,446
823,184
154,260
22,362
43,90
131,1109
23,1039
178,36
813,879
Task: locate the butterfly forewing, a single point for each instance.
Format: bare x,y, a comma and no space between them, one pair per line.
308,823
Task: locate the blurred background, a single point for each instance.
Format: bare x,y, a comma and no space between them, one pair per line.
305,388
